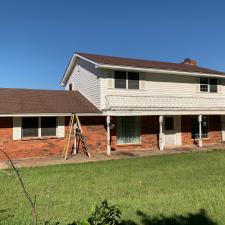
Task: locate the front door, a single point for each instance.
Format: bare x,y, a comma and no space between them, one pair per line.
169,130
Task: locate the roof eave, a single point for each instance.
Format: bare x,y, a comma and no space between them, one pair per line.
71,64
155,70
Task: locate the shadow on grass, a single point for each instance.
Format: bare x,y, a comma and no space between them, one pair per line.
199,218
4,215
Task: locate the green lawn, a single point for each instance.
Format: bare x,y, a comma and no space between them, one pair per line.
170,184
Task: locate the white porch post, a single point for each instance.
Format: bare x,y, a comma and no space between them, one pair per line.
108,135
200,131
161,138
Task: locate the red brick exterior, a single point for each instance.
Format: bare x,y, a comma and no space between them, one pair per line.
94,129
27,148
214,130
149,134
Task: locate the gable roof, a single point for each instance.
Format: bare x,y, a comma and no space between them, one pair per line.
15,101
141,63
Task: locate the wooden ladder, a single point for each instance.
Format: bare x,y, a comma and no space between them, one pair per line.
78,133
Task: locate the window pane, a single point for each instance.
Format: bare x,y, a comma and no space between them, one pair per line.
213,85
195,127
70,87
169,123
30,127
120,79
48,126
128,130
133,80
205,126
204,80
204,86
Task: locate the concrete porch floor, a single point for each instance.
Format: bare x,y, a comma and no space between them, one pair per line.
119,154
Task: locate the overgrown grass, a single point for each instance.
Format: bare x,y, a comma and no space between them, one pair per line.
168,184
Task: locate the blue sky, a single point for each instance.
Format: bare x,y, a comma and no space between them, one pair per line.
37,38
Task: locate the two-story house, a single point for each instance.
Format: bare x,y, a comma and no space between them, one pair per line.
150,104
122,103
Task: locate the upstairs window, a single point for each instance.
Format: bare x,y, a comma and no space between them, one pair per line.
126,80
70,87
120,79
133,80
208,84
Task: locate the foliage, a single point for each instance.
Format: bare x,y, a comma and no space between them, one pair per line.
167,184
105,215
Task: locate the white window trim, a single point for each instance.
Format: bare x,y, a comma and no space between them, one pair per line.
139,88
208,85
17,128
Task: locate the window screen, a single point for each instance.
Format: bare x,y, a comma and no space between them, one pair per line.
195,127
213,85
70,87
30,127
208,84
204,86
133,80
169,123
48,126
120,79
128,130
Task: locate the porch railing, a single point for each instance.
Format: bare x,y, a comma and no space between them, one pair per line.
128,102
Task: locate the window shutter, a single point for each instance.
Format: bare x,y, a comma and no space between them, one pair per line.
17,123
197,84
142,81
60,126
110,79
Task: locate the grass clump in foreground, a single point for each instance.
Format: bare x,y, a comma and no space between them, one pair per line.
148,190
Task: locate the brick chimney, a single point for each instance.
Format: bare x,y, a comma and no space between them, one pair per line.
189,61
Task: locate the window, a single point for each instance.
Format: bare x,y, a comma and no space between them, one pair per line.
133,80
169,123
208,84
120,79
128,130
38,127
48,126
195,127
30,127
126,80
70,87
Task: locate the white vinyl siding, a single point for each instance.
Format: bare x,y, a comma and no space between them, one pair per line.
161,85
86,79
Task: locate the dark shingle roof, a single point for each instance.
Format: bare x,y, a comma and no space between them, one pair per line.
43,101
110,60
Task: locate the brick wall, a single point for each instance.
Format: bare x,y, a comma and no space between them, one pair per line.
27,148
94,129
214,130
149,134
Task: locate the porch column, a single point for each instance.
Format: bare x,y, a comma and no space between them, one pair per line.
161,138
200,131
108,135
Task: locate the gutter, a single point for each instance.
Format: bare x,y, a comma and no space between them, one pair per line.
153,70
